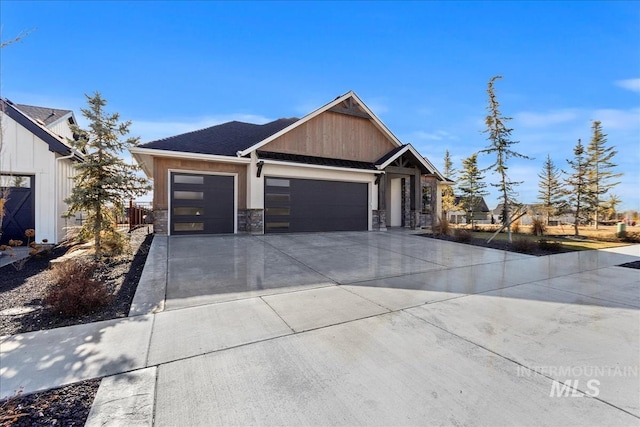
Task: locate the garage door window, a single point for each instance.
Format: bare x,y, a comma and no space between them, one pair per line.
188,211
188,195
188,179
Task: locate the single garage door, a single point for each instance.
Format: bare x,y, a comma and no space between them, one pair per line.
20,207
202,204
303,205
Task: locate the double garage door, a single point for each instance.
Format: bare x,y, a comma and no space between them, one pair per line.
204,204
306,205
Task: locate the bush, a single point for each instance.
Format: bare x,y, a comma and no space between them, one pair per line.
113,243
462,236
549,245
75,292
631,237
443,227
524,246
515,227
538,227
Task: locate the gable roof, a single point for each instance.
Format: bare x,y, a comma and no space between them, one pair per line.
223,140
47,115
56,143
426,166
333,104
482,204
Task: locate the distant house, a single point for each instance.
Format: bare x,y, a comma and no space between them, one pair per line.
339,168
482,213
36,164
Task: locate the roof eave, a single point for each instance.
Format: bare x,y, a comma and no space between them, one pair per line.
316,113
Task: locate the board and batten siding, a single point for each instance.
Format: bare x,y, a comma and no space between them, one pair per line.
161,166
334,135
26,154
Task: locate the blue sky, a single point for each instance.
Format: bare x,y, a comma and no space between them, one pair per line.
422,67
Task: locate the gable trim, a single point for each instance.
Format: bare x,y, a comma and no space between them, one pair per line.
54,142
424,162
319,111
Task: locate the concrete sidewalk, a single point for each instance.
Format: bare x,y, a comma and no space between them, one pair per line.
353,328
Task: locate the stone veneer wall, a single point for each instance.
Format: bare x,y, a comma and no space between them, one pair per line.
161,221
251,221
379,220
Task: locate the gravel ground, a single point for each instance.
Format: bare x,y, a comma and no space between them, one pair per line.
69,405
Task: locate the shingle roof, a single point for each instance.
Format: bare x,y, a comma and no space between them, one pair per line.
482,205
56,143
224,140
390,154
47,115
319,161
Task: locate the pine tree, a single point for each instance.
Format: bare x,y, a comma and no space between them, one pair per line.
471,186
500,145
551,192
578,184
599,165
104,180
448,196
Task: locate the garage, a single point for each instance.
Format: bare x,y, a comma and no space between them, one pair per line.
294,205
20,213
202,204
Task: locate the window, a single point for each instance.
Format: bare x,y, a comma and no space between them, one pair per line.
188,211
278,211
274,182
427,197
188,226
188,179
188,195
19,181
277,225
278,197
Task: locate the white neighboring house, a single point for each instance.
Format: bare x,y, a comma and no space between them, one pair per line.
36,163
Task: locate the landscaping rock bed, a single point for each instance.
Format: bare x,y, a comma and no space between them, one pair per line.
22,309
497,244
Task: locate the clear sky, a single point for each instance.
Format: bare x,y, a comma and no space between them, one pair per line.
422,67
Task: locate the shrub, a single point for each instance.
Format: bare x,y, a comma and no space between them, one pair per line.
538,227
523,245
113,243
631,237
515,227
462,236
75,292
443,227
549,245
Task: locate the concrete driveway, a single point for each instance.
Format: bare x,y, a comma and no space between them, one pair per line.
355,329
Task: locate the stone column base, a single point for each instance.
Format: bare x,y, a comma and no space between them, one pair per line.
379,220
161,221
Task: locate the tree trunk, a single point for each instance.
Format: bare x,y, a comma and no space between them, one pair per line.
96,232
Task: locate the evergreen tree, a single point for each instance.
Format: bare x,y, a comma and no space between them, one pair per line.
448,196
551,192
104,180
599,165
471,186
577,182
609,207
499,136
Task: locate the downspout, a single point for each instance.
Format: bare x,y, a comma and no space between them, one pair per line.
56,190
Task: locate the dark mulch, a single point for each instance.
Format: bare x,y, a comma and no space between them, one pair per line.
496,244
69,405
27,288
64,406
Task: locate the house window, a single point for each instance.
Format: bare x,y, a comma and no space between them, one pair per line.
16,181
427,197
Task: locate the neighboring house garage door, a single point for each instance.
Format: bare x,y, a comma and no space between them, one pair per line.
202,204
20,212
301,205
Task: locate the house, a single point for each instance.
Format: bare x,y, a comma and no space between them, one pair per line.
338,168
482,213
36,165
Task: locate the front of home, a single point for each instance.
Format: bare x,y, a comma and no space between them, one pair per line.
36,167
337,169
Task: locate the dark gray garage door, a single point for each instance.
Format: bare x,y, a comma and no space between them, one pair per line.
201,204
20,207
301,205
